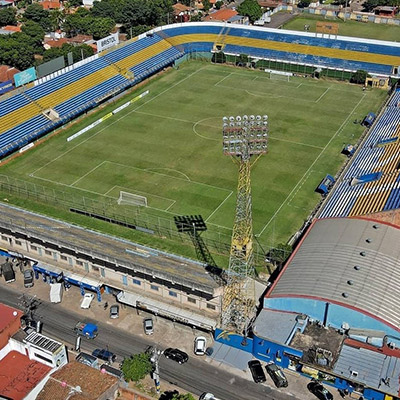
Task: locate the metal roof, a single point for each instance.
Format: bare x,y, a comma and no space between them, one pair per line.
373,369
43,342
350,261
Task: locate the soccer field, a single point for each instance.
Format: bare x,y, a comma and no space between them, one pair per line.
167,147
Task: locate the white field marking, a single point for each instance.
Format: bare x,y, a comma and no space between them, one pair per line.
110,190
298,143
168,176
298,86
87,173
299,187
201,123
322,95
126,189
221,80
311,166
226,198
117,120
169,169
165,117
174,201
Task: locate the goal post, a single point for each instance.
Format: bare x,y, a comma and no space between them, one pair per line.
279,75
126,198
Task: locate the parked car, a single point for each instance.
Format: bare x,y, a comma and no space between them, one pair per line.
148,326
207,396
276,375
256,371
177,355
104,355
200,345
319,391
87,300
28,278
114,311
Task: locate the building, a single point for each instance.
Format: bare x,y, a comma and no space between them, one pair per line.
26,359
333,312
51,4
182,13
76,380
171,286
386,11
227,15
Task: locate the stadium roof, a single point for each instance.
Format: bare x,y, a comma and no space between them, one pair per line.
353,262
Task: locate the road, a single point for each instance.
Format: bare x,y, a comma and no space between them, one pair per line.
196,376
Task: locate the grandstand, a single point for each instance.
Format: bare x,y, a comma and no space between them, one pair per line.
371,183
87,84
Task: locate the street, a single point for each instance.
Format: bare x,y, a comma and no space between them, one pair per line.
195,376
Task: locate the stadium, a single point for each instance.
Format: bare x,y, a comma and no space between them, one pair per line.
155,153
304,141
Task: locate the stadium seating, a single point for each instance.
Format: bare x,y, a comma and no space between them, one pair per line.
81,88
378,155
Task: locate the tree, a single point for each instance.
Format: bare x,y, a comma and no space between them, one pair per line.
35,34
219,4
304,3
74,3
36,13
56,19
7,16
251,9
206,5
136,367
359,76
101,27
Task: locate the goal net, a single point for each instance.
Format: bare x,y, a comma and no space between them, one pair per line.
126,198
279,75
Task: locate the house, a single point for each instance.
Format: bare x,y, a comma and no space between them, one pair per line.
386,11
7,73
6,3
182,13
77,379
227,15
51,4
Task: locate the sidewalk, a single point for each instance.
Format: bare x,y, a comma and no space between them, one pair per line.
166,333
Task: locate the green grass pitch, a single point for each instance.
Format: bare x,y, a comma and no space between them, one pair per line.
168,147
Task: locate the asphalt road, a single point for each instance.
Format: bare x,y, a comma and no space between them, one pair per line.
195,376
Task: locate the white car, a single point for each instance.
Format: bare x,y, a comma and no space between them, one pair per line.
87,300
200,345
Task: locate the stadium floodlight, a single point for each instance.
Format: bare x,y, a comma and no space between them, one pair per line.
245,136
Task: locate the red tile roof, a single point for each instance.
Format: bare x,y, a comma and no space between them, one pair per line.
178,7
12,28
51,5
7,314
92,383
19,375
56,43
221,15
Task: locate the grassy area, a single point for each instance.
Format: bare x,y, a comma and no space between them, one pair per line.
168,147
348,28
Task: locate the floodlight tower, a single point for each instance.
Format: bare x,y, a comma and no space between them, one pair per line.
243,137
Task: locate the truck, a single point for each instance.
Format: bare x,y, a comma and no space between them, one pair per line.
8,271
56,292
88,330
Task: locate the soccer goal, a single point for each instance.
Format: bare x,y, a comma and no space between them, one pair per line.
126,198
279,75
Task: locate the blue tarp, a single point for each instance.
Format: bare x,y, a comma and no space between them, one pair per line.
369,119
325,184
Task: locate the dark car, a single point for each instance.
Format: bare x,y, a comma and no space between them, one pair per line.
28,278
256,371
177,355
104,355
319,391
276,375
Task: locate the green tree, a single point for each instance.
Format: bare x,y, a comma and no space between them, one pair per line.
56,19
136,367
206,5
36,13
7,16
359,76
219,4
35,35
304,3
52,53
219,58
74,3
101,27
251,9
186,396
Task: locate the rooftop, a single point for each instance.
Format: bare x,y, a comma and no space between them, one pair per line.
91,382
221,15
370,368
320,345
19,375
352,262
8,315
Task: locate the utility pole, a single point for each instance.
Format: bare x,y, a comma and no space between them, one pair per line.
156,372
